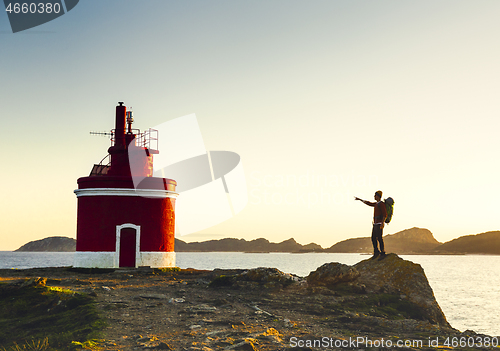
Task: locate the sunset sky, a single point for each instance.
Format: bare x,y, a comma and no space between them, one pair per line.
323,101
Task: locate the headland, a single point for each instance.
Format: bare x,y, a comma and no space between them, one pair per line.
346,307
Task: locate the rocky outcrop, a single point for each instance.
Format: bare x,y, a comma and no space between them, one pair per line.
53,244
390,288
393,275
265,310
402,283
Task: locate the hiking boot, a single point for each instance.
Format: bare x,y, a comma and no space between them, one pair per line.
382,256
375,255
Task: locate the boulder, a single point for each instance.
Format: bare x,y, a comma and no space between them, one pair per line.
246,345
38,281
331,274
404,280
262,277
396,276
266,275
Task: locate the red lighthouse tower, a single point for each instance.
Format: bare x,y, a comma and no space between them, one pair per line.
126,217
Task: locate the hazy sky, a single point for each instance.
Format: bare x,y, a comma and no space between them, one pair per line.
323,101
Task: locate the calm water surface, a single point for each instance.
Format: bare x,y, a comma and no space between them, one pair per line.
466,287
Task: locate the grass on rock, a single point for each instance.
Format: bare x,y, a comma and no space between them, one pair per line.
46,318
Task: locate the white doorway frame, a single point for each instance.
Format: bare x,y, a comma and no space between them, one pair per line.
137,243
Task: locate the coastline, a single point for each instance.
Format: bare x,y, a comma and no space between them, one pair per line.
304,252
146,308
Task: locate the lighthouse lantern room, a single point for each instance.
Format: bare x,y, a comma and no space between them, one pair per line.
126,217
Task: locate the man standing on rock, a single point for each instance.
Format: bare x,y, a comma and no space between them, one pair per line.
379,216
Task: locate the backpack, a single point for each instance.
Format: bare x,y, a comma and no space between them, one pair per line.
389,207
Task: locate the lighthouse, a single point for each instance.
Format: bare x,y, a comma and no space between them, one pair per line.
125,216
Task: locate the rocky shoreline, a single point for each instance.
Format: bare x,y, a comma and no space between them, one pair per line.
373,304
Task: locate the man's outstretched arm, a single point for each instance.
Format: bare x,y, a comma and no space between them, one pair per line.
365,202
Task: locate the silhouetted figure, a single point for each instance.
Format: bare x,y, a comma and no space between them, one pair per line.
379,216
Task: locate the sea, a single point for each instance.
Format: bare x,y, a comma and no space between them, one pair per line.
467,287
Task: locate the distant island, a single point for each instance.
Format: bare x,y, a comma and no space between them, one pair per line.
485,243
51,244
409,241
242,245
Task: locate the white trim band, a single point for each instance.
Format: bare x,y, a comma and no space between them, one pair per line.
155,193
107,259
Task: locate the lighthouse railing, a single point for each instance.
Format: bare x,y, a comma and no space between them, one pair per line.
101,168
149,139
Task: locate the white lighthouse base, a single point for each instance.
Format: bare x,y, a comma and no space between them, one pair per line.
157,259
110,259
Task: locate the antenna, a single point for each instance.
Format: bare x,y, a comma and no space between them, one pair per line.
102,133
